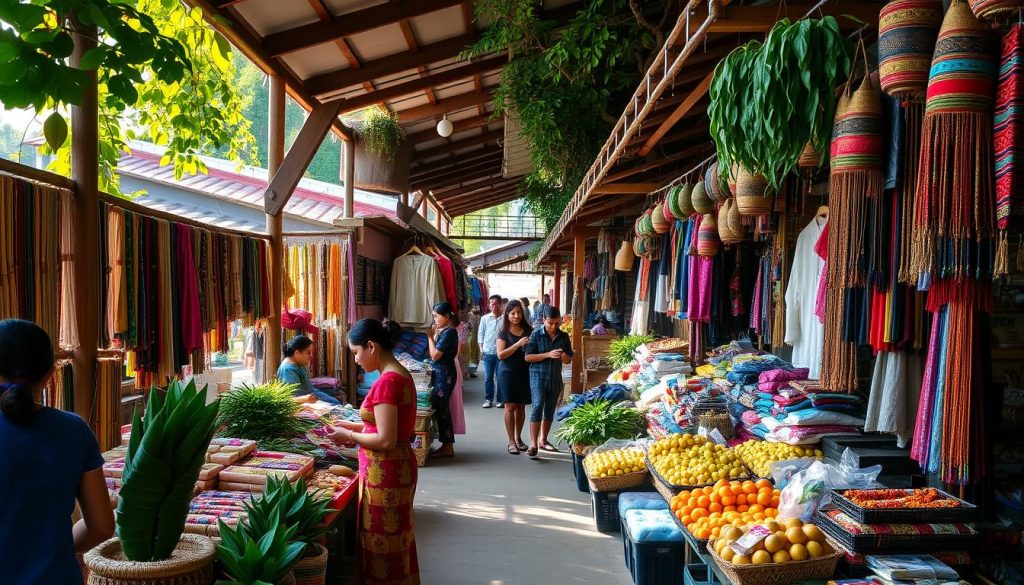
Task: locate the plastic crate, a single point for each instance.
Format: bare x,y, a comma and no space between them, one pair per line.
605,506
578,474
699,574
654,563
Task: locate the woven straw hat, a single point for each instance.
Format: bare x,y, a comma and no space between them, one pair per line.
907,30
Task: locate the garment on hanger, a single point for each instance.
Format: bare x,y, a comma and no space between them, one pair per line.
805,332
415,288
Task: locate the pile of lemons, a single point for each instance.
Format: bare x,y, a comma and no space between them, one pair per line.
614,462
758,456
790,540
692,460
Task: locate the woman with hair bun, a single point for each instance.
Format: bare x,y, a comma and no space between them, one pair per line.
443,342
294,369
387,465
50,460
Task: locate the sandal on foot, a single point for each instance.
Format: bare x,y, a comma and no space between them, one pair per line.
513,450
440,454
521,446
532,452
549,447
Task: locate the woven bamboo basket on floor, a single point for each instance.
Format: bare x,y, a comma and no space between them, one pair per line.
717,420
822,567
312,570
190,564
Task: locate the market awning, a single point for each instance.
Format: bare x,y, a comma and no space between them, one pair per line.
405,57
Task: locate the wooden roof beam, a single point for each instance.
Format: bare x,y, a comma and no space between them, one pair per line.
446,163
443,173
681,110
346,25
484,203
626,188
447,105
472,187
457,127
287,177
451,75
693,131
484,138
482,169
683,154
761,19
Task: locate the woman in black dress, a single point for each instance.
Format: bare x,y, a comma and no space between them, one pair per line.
444,346
514,373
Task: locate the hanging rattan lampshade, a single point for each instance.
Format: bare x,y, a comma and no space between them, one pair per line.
624,257
907,30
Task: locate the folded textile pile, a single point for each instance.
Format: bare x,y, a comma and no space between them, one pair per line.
210,507
251,474
226,451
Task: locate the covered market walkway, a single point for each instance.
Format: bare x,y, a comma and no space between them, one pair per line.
489,518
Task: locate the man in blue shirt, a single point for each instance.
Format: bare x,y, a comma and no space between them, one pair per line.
541,311
490,324
549,349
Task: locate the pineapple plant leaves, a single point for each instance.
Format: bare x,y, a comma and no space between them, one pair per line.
165,452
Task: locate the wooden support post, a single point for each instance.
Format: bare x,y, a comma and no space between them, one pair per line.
423,207
290,170
437,218
87,253
579,257
557,300
275,225
349,167
403,198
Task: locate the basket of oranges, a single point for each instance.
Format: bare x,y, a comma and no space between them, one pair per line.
774,552
707,511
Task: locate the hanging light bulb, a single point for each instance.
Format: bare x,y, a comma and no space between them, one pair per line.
444,127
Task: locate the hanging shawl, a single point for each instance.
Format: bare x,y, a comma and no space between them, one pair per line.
953,213
1008,137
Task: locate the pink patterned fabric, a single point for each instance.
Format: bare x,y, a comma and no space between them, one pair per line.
821,249
922,430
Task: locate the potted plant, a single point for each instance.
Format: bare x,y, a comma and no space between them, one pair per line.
165,452
382,153
259,559
595,422
300,509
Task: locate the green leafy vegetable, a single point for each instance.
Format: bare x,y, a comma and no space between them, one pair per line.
165,453
263,412
620,351
596,422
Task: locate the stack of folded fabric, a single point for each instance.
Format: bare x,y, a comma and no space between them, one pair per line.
251,474
226,451
209,507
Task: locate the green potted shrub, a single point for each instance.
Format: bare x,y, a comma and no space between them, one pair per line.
382,153
263,559
266,413
303,511
593,423
165,452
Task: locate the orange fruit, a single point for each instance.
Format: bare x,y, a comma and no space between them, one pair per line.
691,502
715,498
796,536
741,500
704,534
715,507
717,531
742,508
729,508
775,501
683,495
729,500
736,488
724,492
703,502
761,483
754,509
749,487
764,499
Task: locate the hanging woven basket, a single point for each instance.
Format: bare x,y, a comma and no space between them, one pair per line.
737,222
907,30
700,200
658,221
997,10
672,203
624,257
638,247
707,236
725,232
713,187
858,137
733,179
810,159
685,200
751,189
190,564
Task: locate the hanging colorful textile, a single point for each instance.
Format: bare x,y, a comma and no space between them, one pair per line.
31,253
314,286
996,9
1008,138
907,30
856,158
106,403
60,390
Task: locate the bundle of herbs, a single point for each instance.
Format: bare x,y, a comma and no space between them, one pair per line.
264,413
596,422
620,351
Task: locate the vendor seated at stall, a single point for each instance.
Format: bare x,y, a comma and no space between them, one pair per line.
295,369
601,327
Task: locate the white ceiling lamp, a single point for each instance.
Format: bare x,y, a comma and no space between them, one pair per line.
444,127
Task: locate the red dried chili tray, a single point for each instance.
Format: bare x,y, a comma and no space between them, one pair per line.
964,512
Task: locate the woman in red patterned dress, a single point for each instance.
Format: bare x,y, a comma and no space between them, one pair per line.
387,465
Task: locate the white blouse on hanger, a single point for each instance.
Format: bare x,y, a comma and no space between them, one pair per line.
803,329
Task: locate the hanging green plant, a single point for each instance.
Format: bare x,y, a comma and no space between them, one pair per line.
768,101
381,133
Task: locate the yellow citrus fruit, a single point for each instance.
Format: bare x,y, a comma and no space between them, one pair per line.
813,533
798,552
781,556
761,558
741,560
727,554
796,536
773,544
792,523
814,549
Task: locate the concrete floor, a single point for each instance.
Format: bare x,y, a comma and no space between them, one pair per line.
490,518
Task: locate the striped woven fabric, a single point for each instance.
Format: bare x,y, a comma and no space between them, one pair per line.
996,9
906,40
1009,133
857,142
963,73
707,236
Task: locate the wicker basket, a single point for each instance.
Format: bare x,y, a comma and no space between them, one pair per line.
717,420
616,483
424,420
664,488
190,564
312,570
751,198
421,447
810,159
822,567
582,450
